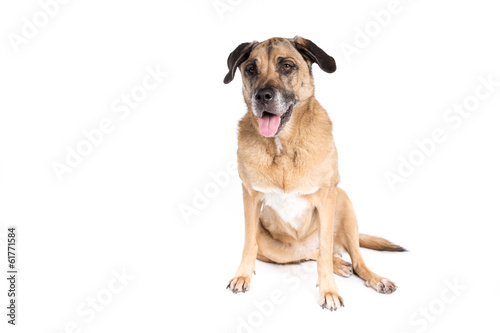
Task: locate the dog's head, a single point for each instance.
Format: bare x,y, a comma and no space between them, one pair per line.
277,76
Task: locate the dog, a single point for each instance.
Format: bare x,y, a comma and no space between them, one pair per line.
287,161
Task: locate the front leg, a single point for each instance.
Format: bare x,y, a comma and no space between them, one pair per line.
252,202
328,291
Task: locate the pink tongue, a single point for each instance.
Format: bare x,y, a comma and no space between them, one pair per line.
268,124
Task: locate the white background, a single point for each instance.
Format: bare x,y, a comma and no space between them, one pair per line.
120,208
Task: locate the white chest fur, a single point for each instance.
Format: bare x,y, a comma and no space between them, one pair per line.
289,206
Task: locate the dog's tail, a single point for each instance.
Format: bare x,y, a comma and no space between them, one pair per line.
379,244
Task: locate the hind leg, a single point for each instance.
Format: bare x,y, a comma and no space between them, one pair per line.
348,237
341,267
272,250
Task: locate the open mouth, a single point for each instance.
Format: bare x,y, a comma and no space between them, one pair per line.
271,124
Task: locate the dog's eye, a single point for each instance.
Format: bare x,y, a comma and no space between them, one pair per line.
287,67
251,70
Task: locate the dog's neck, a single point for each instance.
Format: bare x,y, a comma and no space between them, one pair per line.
279,146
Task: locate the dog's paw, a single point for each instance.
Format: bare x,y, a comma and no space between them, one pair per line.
330,300
239,284
342,267
382,285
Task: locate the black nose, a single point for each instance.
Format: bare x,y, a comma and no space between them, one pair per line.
264,95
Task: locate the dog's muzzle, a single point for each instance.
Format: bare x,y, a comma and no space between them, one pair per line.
272,109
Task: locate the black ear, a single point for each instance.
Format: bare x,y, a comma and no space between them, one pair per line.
235,59
314,54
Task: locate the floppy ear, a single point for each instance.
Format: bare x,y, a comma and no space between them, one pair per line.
314,54
235,59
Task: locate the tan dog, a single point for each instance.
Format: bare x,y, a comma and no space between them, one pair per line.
287,161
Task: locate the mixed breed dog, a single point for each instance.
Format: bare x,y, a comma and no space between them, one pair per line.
287,161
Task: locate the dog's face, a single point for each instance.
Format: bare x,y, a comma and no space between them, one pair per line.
276,77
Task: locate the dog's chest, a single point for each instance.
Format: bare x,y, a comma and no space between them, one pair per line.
289,206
